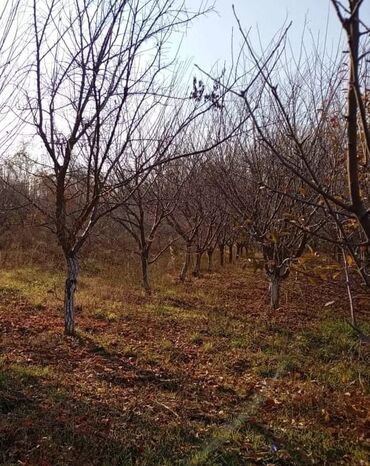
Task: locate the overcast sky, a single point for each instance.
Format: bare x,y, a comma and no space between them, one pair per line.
209,38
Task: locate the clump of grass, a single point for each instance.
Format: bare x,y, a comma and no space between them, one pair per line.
129,351
266,370
315,445
209,346
196,339
106,315
330,340
31,371
219,326
333,354
38,285
239,342
167,345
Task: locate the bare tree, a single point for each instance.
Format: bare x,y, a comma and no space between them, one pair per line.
100,74
299,119
13,39
185,219
144,205
266,216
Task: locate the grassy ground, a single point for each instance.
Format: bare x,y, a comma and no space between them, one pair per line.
201,373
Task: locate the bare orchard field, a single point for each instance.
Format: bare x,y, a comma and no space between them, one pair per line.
200,373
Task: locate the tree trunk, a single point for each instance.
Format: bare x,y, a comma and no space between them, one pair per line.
222,254
357,200
172,261
145,270
70,288
275,291
198,260
231,257
238,251
210,257
185,267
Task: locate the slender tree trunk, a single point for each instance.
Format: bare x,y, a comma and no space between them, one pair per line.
198,260
231,256
185,267
348,286
145,270
222,254
172,257
275,291
210,262
70,288
358,206
338,254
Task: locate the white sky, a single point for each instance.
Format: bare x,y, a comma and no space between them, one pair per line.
209,38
